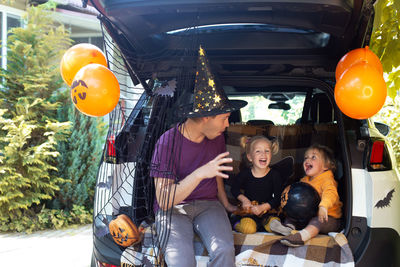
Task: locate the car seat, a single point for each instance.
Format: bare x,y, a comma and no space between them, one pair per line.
321,109
235,117
260,122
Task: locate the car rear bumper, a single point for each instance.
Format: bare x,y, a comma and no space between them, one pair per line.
380,247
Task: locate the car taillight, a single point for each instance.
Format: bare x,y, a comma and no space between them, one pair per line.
102,264
379,158
377,152
111,146
110,153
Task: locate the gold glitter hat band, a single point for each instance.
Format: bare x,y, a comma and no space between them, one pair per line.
209,98
187,110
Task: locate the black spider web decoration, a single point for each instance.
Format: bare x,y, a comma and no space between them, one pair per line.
145,111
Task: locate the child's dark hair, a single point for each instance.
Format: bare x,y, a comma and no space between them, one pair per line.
327,155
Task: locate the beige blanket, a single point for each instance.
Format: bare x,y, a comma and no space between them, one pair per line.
260,249
266,250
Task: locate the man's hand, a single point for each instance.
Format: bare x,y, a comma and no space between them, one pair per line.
231,208
215,167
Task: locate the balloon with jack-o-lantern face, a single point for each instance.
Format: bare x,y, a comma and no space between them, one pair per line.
95,90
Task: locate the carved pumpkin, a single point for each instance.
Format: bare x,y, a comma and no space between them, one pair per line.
124,231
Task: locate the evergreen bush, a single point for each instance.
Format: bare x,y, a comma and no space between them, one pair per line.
80,158
29,130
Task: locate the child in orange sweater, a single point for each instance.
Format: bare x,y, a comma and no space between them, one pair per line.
319,165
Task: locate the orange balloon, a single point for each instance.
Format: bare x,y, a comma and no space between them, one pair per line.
95,90
361,91
77,57
356,56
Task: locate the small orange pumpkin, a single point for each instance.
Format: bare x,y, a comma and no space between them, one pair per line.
124,231
246,226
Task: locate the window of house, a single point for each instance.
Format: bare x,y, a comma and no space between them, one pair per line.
13,21
9,18
1,25
95,40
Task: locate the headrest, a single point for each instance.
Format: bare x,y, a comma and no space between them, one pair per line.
321,109
260,122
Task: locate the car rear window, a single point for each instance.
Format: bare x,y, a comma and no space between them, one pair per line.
258,109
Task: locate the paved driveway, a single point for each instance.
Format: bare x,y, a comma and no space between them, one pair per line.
71,247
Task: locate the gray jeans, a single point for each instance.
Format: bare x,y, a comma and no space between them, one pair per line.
206,218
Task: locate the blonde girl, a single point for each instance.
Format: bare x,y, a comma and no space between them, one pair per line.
258,187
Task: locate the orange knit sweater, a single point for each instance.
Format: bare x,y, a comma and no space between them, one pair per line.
326,187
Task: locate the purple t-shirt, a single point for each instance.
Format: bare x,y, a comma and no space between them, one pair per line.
175,157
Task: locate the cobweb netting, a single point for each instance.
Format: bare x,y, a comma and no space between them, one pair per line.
124,185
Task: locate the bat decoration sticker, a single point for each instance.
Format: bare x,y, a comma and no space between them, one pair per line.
385,202
165,88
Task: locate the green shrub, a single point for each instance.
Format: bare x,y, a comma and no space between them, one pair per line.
79,158
29,221
29,130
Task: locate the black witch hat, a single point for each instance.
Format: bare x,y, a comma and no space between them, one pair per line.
209,98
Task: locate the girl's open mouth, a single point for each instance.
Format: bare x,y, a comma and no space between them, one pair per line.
308,167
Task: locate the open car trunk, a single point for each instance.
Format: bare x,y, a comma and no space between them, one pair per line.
255,48
242,38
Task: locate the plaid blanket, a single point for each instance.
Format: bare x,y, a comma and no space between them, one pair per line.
266,250
259,249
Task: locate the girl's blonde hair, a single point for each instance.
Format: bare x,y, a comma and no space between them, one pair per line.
248,142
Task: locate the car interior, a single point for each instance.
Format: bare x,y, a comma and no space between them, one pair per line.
316,124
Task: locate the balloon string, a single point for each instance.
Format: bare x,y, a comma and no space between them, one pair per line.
365,54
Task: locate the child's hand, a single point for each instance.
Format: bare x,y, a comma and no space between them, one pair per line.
261,209
257,209
246,203
322,214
